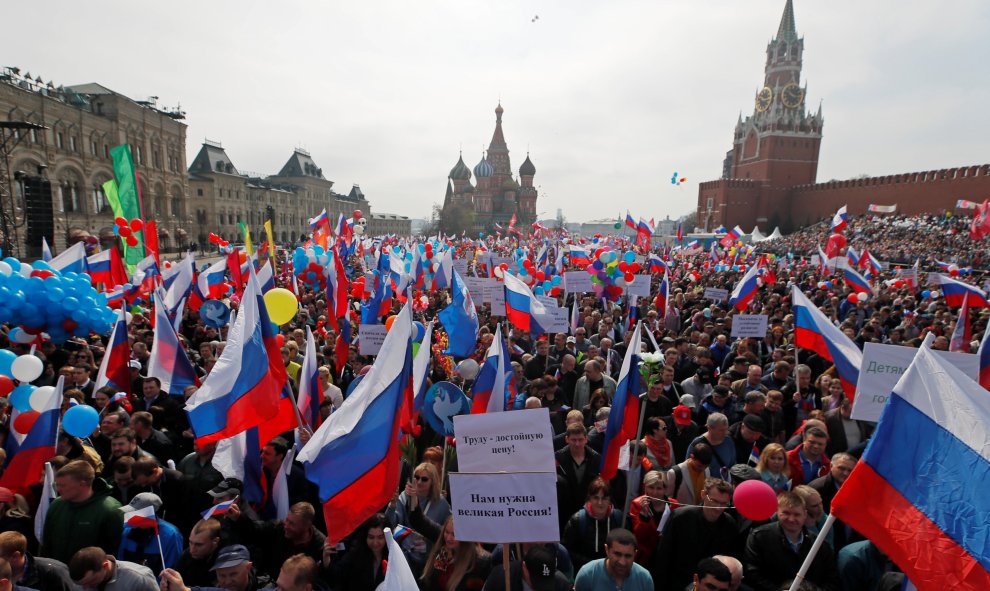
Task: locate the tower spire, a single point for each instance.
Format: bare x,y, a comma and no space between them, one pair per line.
787,31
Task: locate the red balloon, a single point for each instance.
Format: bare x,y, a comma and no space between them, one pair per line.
755,500
136,225
852,298
43,273
132,241
836,242
6,386
629,277
124,232
623,266
540,276
69,325
356,214
120,222
25,420
954,272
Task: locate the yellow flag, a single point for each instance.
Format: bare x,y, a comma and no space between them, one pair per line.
271,244
247,239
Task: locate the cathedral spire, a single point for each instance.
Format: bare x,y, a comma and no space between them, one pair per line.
498,151
787,30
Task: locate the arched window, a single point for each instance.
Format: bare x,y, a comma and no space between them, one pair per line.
69,188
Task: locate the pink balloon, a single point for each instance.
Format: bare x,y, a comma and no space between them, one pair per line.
755,500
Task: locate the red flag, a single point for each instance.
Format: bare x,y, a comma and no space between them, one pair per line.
151,240
980,226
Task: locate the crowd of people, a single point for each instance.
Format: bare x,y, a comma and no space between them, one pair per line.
717,411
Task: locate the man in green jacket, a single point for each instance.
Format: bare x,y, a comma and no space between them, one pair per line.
84,514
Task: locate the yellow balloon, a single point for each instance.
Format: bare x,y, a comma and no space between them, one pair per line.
281,304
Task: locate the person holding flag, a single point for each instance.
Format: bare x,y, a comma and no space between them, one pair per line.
146,539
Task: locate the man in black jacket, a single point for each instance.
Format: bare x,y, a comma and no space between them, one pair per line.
32,572
577,466
195,563
775,551
538,571
693,533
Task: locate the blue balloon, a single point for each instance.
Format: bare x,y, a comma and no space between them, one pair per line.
926,294
80,420
556,280
20,398
6,358
629,257
14,264
41,266
538,290
420,331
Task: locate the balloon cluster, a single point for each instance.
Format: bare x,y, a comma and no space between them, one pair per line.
38,299
610,273
128,229
222,245
676,180
309,266
30,401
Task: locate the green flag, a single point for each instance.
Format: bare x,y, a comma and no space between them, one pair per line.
127,196
110,190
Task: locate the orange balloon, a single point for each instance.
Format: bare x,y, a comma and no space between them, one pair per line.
389,321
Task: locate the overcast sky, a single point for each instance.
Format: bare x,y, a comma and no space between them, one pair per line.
610,97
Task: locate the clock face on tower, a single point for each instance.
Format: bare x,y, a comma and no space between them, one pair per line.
764,99
792,96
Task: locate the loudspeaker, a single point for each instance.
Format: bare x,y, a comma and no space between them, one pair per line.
39,214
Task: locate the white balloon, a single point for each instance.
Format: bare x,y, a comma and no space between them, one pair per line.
6,269
861,296
41,397
26,271
358,229
127,317
27,368
468,369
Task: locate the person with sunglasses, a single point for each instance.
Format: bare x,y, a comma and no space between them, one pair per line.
423,492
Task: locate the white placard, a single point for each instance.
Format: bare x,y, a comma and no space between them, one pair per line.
517,441
640,287
505,508
476,286
548,301
461,266
371,338
560,320
495,295
749,325
715,294
883,366
577,282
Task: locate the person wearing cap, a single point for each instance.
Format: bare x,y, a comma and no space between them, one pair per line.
140,545
29,571
235,571
137,380
747,435
720,401
681,431
699,385
85,508
91,568
537,571
618,570
737,370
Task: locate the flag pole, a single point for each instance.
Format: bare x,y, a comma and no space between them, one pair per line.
819,540
505,565
161,553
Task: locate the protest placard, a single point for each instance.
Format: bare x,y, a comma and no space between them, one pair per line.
371,338
548,301
494,292
505,508
461,266
639,287
476,286
517,441
577,282
715,294
883,366
559,320
749,325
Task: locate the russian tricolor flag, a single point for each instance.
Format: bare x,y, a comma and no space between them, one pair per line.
961,334
106,268
28,452
630,222
71,259
114,371
919,491
812,330
210,282
733,235
624,418
219,508
954,291
852,256
319,221
856,282
745,289
644,227
169,362
354,456
310,392
421,369
984,354
244,388
266,277
578,255
839,220
662,295
143,518
493,388
522,308
337,288
657,264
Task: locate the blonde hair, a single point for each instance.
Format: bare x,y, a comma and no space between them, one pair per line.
655,477
769,450
431,471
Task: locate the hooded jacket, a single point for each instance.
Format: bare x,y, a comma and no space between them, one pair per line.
97,521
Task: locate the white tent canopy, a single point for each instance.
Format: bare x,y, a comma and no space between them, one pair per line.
756,235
